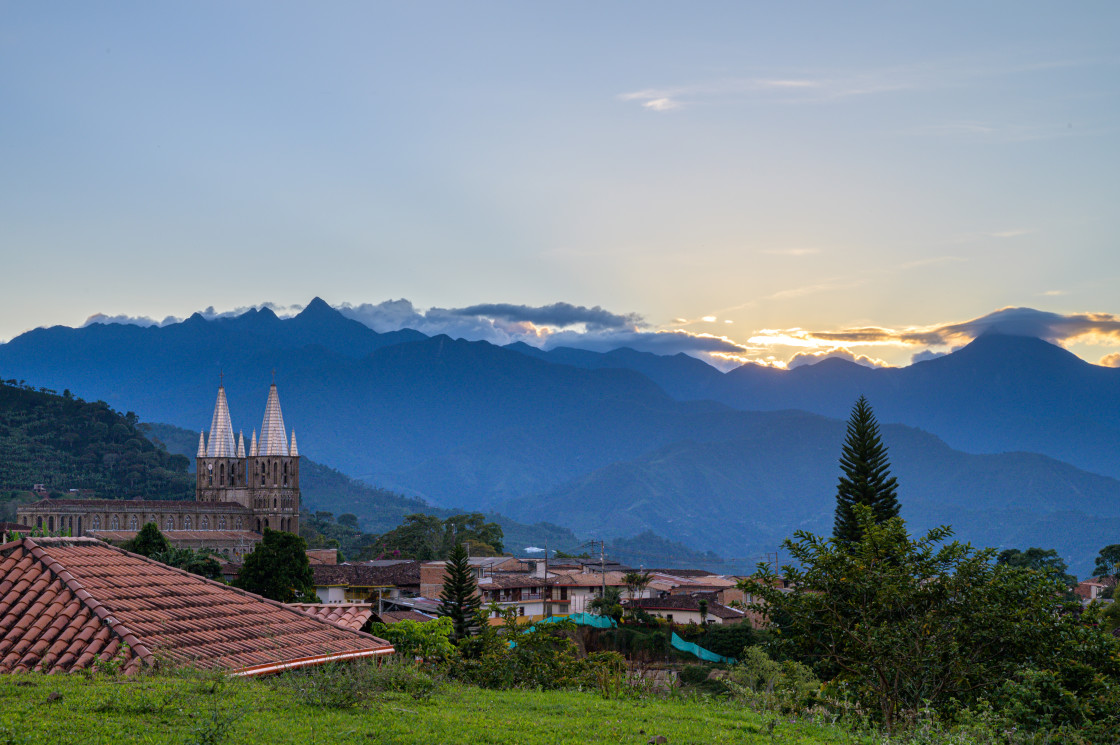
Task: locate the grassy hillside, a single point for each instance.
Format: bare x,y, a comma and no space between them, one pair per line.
67,443
196,708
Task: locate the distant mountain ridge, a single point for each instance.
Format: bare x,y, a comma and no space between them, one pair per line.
476,426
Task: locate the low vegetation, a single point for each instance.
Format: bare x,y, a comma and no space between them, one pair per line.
396,704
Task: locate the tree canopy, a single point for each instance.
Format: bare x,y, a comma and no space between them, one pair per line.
865,475
907,623
427,538
278,568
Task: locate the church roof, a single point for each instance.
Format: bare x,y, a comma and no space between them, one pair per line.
134,505
66,603
273,439
221,430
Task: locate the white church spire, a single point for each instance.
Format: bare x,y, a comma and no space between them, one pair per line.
240,444
201,445
221,430
293,451
273,439
253,447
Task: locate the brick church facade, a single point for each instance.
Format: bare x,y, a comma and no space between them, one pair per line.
238,493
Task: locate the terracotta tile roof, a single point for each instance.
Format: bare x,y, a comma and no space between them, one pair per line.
361,575
353,616
614,579
513,579
67,602
686,603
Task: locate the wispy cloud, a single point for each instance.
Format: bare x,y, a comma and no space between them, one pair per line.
824,86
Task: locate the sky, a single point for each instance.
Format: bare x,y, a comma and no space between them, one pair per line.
747,181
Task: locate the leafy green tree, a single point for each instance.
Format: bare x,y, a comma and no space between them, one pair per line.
906,623
200,563
1046,561
866,478
1108,562
608,604
459,599
148,542
430,640
427,538
278,568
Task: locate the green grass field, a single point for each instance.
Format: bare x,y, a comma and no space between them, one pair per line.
186,708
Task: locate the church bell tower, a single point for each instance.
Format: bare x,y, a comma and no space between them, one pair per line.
273,471
264,479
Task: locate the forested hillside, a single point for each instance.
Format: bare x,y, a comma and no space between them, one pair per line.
66,443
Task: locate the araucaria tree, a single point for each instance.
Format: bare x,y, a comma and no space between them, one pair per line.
866,477
459,599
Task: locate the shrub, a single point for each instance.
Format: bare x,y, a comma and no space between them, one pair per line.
768,685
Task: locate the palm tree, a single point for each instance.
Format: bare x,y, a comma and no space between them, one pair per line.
636,582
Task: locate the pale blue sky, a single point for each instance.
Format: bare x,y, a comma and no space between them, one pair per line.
818,166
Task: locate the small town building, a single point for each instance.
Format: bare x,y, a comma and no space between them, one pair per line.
685,609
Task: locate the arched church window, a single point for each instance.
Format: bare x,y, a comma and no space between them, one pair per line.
169,524
50,523
115,523
187,522
239,523
133,523
95,524
222,522
222,475
204,523
274,503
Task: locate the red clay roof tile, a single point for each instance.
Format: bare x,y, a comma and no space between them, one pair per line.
67,602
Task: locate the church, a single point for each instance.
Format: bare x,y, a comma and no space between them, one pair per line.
238,493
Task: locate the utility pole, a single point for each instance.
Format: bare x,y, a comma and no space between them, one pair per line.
602,564
547,588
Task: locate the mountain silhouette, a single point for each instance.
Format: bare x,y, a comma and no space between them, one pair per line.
613,441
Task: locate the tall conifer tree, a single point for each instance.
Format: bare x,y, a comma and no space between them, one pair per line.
865,475
459,599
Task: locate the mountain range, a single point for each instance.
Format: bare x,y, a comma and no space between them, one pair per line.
1008,439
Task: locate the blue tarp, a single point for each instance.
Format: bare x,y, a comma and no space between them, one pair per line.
579,619
696,649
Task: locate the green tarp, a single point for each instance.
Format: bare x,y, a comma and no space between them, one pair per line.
696,649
